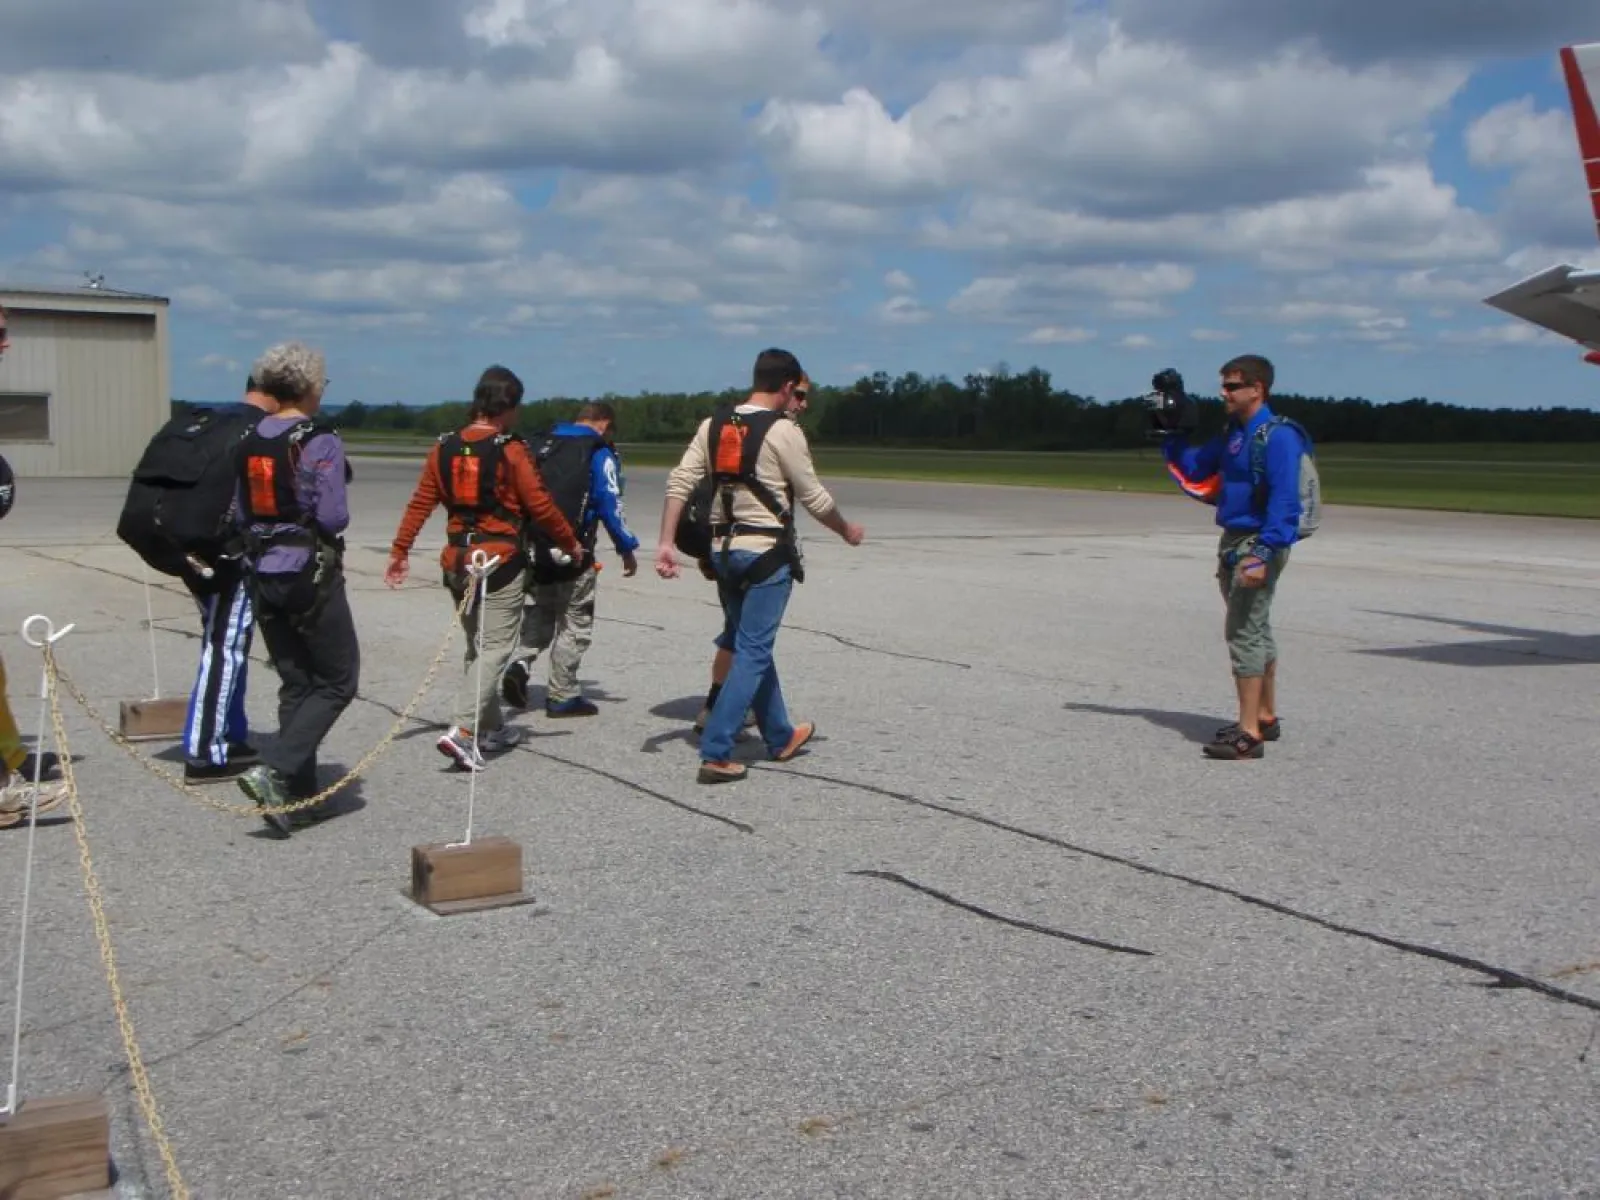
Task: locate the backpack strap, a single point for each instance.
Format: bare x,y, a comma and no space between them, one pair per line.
1258,454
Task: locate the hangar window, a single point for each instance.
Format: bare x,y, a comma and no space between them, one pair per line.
24,417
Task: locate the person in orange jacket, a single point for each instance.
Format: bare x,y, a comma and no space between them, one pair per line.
485,479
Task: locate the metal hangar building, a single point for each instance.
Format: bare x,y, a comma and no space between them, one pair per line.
86,382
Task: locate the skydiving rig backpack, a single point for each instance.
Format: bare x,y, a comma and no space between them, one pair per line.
469,478
565,463
1208,490
707,526
180,499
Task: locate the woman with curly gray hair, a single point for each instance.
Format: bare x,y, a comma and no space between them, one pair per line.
294,507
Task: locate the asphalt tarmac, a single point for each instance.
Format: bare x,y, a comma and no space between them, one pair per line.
1003,931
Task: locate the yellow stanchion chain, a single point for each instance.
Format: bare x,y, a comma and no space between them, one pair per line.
91,880
178,783
102,933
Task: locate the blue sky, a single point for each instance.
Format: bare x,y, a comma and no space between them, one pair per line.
633,194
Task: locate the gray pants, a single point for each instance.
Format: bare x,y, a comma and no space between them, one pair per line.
559,617
1248,625
500,613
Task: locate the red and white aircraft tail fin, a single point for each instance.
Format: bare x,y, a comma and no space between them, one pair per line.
1581,65
1566,299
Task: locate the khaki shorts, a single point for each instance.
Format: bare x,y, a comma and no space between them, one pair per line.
1248,625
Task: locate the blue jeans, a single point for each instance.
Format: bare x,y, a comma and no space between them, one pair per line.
756,615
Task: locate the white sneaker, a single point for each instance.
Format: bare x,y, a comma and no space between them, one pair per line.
459,746
16,798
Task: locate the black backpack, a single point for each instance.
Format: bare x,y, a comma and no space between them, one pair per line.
181,497
693,534
565,463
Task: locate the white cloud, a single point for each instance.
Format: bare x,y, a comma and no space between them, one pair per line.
1546,197
1212,335
1103,124
1364,30
899,281
1136,341
903,310
1402,215
956,21
177,38
1056,335
1033,293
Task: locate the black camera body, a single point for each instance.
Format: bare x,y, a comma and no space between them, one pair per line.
1168,406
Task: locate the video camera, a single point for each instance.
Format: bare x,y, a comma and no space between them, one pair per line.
1169,407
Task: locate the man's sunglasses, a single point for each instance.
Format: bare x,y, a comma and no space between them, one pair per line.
1236,386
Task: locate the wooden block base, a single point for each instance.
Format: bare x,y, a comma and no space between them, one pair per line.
56,1146
484,874
150,720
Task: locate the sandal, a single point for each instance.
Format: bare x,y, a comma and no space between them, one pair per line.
1237,744
1270,730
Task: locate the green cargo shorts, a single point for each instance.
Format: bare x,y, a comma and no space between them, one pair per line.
1248,625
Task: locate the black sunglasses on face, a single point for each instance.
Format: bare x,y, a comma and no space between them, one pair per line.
1235,387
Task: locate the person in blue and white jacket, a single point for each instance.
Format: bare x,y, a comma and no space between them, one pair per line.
1259,522
579,464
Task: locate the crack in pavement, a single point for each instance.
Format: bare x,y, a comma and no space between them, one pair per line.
844,641
1015,922
641,789
1502,977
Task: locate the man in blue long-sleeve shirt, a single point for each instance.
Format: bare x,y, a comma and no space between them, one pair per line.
581,469
1259,518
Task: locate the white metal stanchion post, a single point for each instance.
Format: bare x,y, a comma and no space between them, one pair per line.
479,567
50,637
49,1145
150,625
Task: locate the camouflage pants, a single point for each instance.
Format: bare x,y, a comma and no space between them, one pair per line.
558,617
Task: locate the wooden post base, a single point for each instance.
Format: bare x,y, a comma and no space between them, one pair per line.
151,720
484,874
56,1146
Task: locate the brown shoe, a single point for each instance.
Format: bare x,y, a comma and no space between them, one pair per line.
803,733
722,772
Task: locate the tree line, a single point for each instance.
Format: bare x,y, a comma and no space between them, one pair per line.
1001,410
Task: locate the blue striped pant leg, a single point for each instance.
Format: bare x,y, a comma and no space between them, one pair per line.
216,705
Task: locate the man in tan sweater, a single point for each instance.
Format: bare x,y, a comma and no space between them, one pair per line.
762,465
